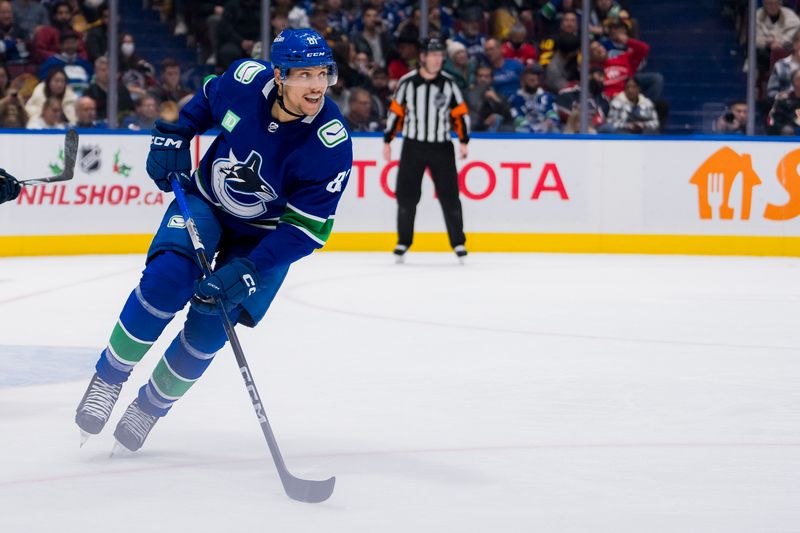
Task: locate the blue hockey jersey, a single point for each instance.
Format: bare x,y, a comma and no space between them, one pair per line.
282,180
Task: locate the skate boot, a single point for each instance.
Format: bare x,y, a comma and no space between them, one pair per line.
460,252
400,253
133,427
95,407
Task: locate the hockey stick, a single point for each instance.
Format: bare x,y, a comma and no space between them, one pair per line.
304,490
70,155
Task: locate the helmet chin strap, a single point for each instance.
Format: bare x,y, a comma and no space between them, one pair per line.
283,105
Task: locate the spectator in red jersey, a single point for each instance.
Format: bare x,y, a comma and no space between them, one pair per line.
516,47
47,39
619,68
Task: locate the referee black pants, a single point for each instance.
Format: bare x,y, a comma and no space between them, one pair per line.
441,160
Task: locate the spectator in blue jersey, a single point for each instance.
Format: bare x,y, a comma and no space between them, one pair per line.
470,34
505,72
532,108
12,36
264,195
79,71
632,112
9,187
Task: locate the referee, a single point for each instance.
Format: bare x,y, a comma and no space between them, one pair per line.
426,106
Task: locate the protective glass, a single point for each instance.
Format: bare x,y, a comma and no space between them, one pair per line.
311,77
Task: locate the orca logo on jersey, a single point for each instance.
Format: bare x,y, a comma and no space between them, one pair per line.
239,186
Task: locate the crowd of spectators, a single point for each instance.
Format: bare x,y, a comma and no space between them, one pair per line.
54,70
516,61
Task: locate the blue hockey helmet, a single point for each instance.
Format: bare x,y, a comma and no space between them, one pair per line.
302,49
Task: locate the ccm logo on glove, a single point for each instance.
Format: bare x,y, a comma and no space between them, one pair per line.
166,142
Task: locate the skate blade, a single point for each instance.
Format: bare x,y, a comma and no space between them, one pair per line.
84,437
461,260
399,259
119,450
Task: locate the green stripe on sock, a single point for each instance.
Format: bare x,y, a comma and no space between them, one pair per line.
168,383
319,229
127,348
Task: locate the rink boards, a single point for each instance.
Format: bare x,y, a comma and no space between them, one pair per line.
554,194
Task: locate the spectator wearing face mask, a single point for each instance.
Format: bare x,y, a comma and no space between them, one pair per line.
137,74
47,39
78,70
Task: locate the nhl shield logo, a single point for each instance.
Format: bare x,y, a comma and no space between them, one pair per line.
273,127
439,100
90,158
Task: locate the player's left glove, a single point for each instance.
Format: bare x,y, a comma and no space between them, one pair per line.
232,284
9,187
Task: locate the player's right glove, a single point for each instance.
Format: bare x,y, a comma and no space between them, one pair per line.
232,284
169,152
9,187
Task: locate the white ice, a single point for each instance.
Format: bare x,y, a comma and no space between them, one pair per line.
518,393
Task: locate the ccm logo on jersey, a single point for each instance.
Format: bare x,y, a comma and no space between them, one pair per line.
166,142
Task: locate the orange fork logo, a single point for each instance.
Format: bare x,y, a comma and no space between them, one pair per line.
714,180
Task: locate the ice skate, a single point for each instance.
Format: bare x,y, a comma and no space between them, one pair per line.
95,407
133,427
461,253
400,253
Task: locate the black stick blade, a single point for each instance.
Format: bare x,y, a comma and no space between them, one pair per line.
307,490
70,154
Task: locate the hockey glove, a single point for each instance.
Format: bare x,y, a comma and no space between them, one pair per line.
169,152
232,284
9,187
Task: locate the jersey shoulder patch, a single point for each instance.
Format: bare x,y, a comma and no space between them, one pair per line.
247,71
332,133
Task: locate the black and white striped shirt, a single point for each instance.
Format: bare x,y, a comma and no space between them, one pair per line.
427,110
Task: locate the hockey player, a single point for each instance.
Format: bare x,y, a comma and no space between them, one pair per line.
9,187
264,195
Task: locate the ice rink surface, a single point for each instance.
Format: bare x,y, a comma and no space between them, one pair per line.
519,393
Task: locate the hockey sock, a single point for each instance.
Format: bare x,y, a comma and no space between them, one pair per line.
166,285
184,362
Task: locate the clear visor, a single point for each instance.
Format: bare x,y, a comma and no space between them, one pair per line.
309,77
